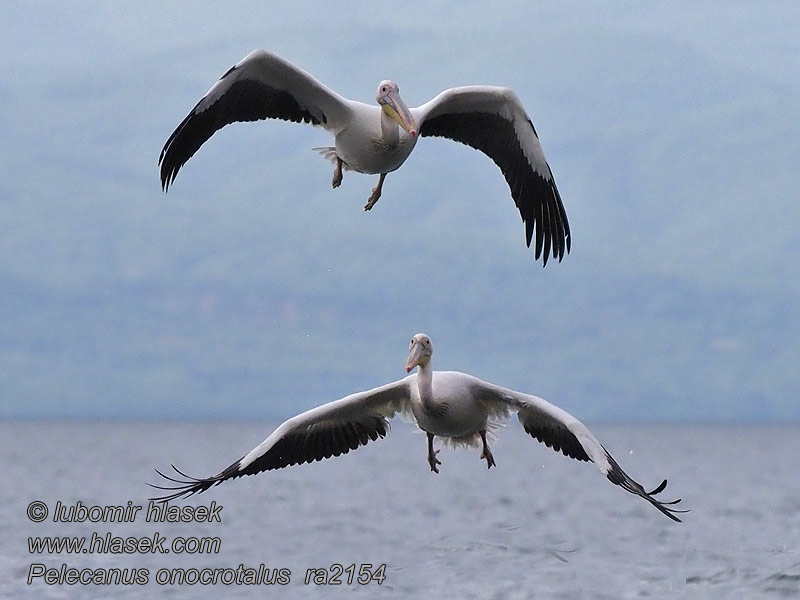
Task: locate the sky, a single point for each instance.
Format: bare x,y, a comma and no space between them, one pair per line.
254,290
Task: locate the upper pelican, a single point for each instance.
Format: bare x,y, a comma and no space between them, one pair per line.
457,407
378,139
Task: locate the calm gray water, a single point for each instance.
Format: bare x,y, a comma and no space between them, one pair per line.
538,526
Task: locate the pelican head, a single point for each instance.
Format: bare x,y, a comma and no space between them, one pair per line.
419,352
393,106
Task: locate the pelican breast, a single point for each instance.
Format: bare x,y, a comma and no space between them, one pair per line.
364,148
456,410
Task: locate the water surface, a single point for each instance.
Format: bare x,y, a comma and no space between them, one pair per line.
537,526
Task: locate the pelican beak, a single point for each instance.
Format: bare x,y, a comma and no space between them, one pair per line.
417,356
394,106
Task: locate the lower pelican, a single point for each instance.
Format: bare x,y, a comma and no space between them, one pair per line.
454,406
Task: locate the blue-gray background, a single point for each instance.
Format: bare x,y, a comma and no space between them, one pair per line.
253,289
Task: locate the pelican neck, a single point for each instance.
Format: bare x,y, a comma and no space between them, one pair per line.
389,130
425,384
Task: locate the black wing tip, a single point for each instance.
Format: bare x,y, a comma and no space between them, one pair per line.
178,149
188,486
166,180
665,507
543,215
168,168
659,489
548,244
619,477
557,253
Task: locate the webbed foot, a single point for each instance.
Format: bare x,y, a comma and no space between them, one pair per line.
433,461
486,453
337,174
376,193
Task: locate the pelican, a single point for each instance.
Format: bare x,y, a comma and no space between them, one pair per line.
378,139
456,407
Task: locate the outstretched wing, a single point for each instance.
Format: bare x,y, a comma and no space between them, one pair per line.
559,430
328,430
492,120
260,86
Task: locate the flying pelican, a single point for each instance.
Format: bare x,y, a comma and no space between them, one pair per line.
454,406
378,139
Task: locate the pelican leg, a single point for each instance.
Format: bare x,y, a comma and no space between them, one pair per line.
487,454
432,460
337,173
376,193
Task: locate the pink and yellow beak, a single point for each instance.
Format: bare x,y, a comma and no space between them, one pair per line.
393,105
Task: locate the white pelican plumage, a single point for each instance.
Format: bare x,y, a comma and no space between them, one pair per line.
455,406
378,139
